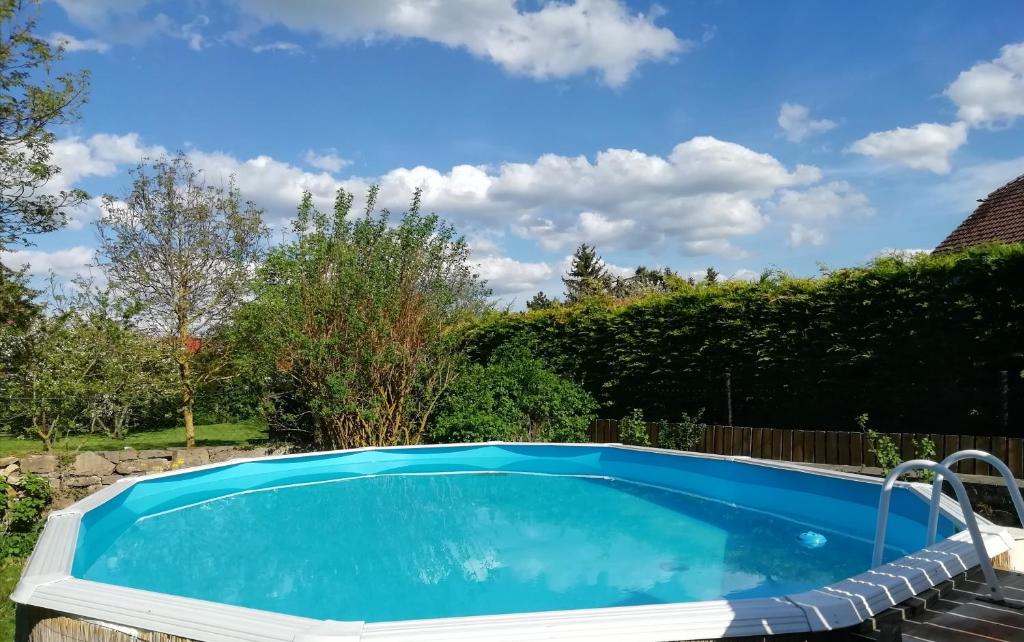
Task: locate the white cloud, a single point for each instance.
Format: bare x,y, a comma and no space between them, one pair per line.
619,270
589,227
552,40
988,94
505,275
991,93
705,192
556,40
191,32
98,155
926,146
63,263
796,123
715,247
329,161
98,14
832,200
700,199
274,185
127,22
743,274
280,46
800,234
72,44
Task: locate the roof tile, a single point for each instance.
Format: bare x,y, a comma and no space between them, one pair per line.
999,219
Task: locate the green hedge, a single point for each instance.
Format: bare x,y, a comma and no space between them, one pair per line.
916,343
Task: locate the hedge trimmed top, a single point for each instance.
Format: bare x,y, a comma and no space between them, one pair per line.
918,343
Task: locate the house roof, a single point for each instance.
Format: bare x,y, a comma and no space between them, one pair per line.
998,219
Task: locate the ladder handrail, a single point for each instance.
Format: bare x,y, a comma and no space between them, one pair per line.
991,460
994,588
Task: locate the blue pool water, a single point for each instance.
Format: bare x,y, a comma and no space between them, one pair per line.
408,539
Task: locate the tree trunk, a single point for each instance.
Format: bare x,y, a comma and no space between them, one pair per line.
187,398
185,375
190,428
44,431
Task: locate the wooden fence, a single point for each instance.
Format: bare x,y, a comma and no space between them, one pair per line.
830,446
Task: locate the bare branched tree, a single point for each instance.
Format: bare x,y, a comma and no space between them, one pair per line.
185,252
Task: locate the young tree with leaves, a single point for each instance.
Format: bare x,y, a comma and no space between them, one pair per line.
33,100
587,275
128,370
43,395
81,367
17,300
354,323
184,252
541,301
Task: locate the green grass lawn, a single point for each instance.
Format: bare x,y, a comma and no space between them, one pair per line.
10,570
207,435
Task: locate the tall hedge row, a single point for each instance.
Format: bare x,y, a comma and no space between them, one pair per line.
927,344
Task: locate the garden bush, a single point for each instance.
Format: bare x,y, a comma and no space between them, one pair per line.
684,434
351,326
887,453
513,397
633,429
21,515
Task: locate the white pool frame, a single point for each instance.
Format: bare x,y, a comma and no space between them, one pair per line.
47,583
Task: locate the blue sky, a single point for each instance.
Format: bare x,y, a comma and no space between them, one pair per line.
742,135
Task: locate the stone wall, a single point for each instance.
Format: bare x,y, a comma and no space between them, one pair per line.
78,474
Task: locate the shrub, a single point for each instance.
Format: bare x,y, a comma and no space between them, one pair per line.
924,448
633,429
514,397
236,399
684,435
21,517
888,453
351,328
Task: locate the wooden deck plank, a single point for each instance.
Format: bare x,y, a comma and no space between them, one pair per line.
976,610
939,632
959,615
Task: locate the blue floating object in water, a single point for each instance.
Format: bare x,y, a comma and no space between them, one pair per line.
810,539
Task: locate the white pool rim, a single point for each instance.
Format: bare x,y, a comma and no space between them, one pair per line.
47,583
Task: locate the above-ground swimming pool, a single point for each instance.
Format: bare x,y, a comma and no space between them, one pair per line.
490,541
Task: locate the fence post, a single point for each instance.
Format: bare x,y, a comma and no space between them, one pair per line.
1004,390
728,396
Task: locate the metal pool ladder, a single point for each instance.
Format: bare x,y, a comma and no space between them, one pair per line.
991,460
941,472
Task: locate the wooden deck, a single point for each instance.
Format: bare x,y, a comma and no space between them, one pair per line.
953,613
